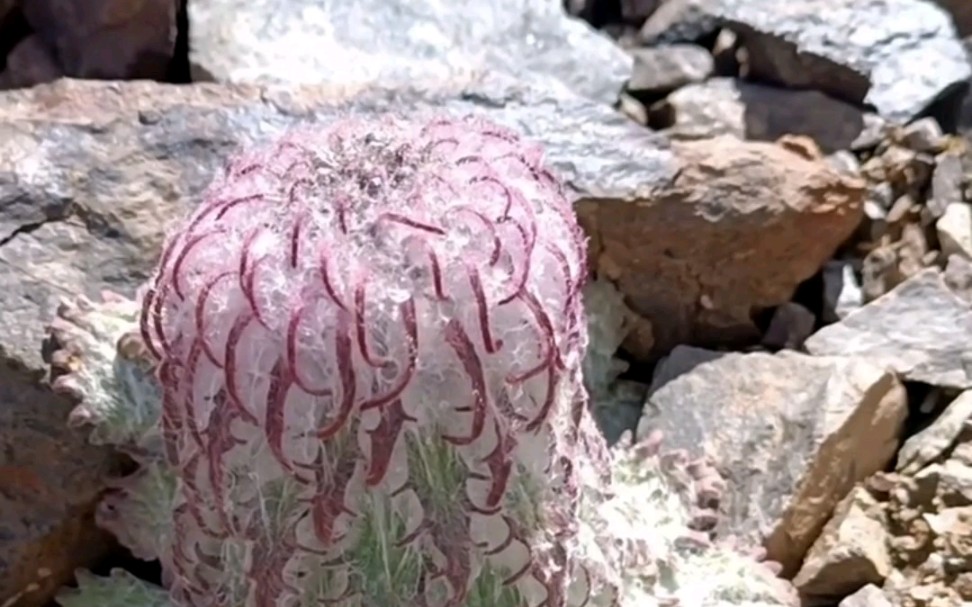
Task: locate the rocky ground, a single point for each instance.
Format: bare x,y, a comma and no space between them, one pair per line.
776,194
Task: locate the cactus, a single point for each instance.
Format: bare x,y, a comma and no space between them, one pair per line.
356,379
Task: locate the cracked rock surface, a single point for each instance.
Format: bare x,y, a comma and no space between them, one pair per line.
399,41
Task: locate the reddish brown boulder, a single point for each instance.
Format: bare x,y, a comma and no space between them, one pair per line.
735,232
108,39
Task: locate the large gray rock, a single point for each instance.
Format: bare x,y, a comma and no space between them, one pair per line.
90,176
399,41
920,329
896,55
791,434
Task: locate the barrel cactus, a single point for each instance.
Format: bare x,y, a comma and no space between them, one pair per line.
355,378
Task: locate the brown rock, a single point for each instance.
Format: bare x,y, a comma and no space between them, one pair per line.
850,553
736,231
109,39
791,433
50,481
29,63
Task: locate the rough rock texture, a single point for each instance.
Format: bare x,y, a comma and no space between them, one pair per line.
50,481
751,111
877,52
868,596
930,513
851,552
954,229
678,21
92,173
739,228
901,539
398,41
930,444
884,332
791,433
107,38
663,69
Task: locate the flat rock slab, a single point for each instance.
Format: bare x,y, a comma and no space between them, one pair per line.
920,329
92,173
791,434
898,56
397,41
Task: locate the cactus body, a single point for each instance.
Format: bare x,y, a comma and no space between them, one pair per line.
369,340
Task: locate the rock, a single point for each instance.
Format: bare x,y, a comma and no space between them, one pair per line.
763,113
961,12
876,52
953,526
958,276
791,434
955,483
790,326
109,39
636,11
923,135
661,70
737,231
632,108
725,52
931,443
391,42
920,329
842,292
851,552
50,478
868,596
91,173
879,272
946,183
845,161
678,21
954,229
29,63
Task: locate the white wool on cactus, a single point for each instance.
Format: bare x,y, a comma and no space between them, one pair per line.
369,338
